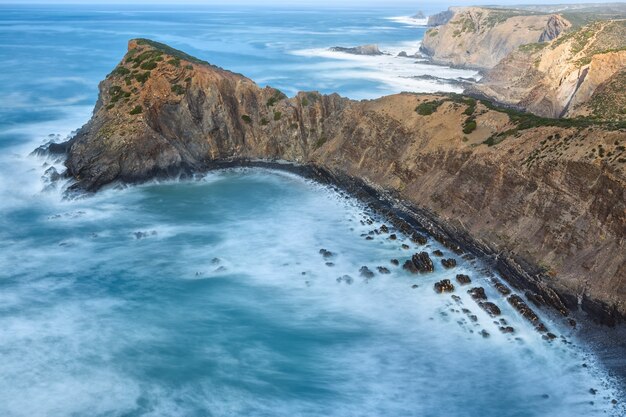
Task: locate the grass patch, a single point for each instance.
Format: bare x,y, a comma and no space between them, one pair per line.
277,115
264,121
136,110
246,118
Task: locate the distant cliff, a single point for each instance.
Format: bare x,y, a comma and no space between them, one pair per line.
477,37
583,73
548,197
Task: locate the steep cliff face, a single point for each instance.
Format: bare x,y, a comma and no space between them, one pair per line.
476,37
550,195
560,79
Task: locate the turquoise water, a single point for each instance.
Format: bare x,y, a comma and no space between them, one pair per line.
209,297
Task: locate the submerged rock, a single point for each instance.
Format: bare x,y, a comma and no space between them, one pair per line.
463,279
395,262
382,270
437,252
366,272
358,50
326,253
492,309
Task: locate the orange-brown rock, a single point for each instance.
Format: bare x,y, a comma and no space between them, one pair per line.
542,198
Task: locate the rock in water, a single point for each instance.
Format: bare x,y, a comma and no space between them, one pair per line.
358,50
444,286
422,262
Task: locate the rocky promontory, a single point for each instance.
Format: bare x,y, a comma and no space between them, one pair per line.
479,37
544,200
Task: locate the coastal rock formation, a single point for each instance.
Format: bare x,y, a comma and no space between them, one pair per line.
359,50
441,18
535,192
561,78
478,37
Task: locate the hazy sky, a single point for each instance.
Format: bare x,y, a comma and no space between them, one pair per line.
376,3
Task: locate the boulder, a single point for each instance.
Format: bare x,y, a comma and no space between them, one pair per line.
463,279
422,262
448,263
444,286
366,272
477,293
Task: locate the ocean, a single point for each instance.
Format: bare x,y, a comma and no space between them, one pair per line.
211,296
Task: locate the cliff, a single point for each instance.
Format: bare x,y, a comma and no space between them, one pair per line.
476,37
546,196
579,74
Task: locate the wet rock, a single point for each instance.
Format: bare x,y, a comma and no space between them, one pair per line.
395,262
541,328
393,236
216,261
422,262
366,272
444,286
549,336
437,252
369,238
345,278
507,329
330,264
403,54
571,322
534,298
384,229
463,279
523,308
477,293
502,289
326,253
410,266
418,238
448,263
473,317
484,333
492,309
383,270
456,298
405,246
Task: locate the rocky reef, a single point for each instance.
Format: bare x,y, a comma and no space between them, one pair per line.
535,197
479,37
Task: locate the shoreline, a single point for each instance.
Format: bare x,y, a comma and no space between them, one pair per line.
606,340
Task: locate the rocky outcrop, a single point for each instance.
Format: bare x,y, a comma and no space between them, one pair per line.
476,37
560,79
441,18
358,50
547,210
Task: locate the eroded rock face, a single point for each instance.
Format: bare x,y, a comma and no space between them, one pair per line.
161,112
476,37
578,74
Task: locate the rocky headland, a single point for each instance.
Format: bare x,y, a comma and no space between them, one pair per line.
543,200
479,37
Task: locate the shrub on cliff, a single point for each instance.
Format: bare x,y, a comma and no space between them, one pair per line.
136,110
429,107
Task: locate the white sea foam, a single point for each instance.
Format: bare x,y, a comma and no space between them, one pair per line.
409,20
395,72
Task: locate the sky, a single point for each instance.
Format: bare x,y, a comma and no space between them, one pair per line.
369,3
